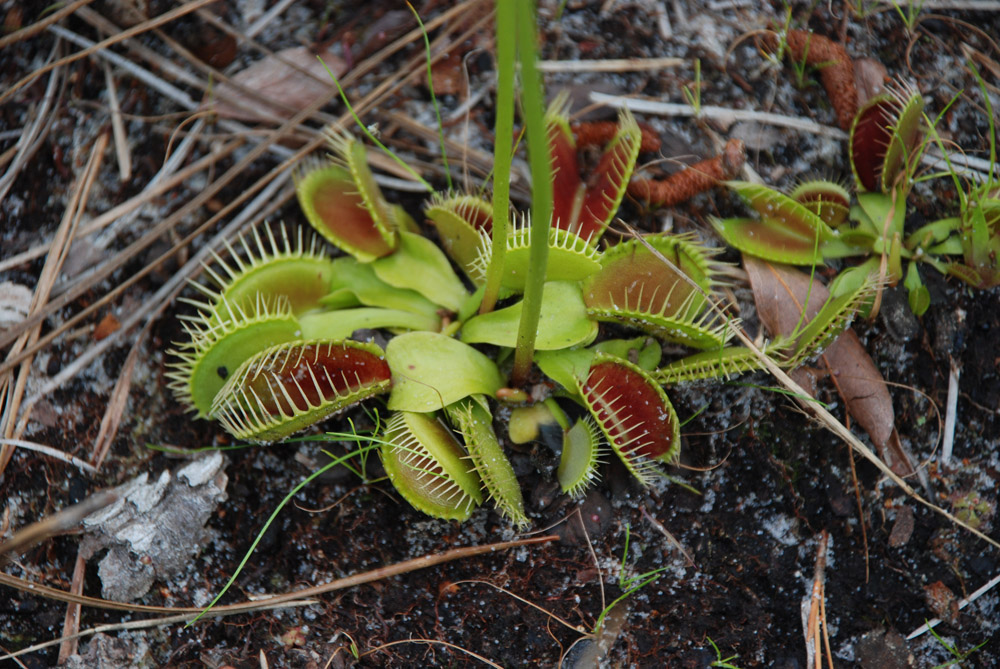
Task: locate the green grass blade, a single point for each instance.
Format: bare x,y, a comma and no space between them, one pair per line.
434,100
370,135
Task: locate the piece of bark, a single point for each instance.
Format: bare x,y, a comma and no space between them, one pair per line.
780,293
154,529
902,528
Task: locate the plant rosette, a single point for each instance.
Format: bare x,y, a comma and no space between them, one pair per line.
271,350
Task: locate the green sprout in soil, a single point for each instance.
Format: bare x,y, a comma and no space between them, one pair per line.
959,656
721,662
628,584
363,443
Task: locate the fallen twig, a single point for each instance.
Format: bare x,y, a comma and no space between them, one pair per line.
722,115
951,408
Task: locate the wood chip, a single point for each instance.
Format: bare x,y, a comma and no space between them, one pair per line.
902,529
106,327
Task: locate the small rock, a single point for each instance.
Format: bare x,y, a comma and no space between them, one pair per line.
109,652
883,649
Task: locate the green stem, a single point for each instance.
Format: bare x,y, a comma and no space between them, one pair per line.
533,100
503,148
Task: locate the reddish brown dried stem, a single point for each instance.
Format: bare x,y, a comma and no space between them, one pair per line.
836,69
599,133
697,178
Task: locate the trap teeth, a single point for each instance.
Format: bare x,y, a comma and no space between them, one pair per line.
634,414
474,421
635,287
344,204
218,347
288,387
582,448
428,466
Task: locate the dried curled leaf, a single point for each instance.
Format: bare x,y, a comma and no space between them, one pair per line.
781,297
277,86
836,69
698,178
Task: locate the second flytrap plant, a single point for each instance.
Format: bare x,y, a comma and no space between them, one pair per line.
818,221
286,337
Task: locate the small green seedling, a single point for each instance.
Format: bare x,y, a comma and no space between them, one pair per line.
628,584
721,662
959,656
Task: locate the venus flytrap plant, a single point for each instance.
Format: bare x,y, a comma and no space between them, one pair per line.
978,223
810,225
271,350
274,388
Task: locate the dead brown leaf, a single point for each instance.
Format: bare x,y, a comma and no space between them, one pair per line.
780,293
277,86
448,74
870,77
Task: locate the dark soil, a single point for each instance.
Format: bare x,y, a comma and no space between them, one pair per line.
759,485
